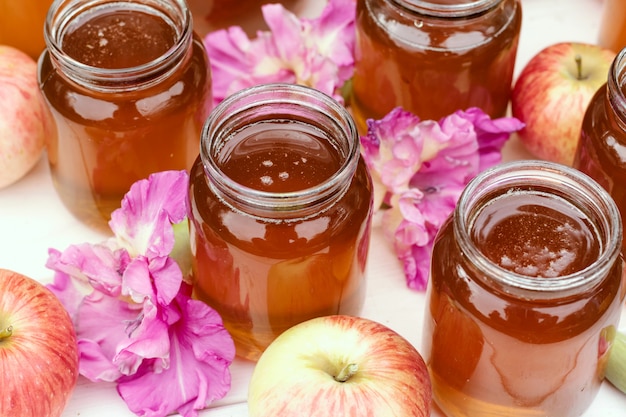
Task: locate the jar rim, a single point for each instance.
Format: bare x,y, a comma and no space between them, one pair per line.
615,81
298,96
448,8
63,12
576,184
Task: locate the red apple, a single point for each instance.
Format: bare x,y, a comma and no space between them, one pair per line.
38,350
25,120
340,366
552,93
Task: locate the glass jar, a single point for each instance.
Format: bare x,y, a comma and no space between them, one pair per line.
129,85
21,24
612,34
280,213
601,151
434,57
525,293
210,15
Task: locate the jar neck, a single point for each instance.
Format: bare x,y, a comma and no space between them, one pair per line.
449,8
300,106
64,16
562,182
616,82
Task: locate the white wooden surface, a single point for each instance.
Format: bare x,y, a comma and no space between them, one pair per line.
32,219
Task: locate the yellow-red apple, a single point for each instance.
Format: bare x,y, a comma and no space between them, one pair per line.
25,120
340,366
551,96
38,349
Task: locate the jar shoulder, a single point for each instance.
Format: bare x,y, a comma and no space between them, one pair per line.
344,220
386,19
187,87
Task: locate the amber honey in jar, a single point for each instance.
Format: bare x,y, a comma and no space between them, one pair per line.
129,85
434,57
21,24
612,34
210,15
600,151
280,212
525,294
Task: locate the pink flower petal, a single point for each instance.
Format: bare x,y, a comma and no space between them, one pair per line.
135,321
334,34
94,364
416,263
314,52
143,224
97,266
492,134
102,325
423,167
228,50
157,279
63,287
147,339
198,372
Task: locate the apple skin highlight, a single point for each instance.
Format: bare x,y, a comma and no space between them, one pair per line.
299,373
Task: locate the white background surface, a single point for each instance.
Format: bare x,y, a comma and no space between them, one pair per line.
32,219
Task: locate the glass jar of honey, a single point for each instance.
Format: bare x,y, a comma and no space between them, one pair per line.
210,15
612,33
434,57
601,149
129,85
525,294
280,212
21,24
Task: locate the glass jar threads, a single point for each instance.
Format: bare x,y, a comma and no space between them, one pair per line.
525,293
280,212
129,85
600,151
434,57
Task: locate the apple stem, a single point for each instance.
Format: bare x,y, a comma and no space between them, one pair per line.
6,333
579,66
347,372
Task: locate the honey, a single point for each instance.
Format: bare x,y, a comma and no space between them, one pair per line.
280,210
21,25
210,15
129,87
603,135
433,57
612,34
526,286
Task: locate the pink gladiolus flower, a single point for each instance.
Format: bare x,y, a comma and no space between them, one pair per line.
134,317
318,52
419,170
